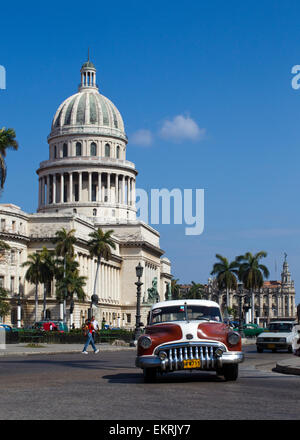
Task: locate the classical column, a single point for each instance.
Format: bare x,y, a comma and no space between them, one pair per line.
133,192
70,187
130,190
108,188
99,198
90,188
79,185
123,189
61,188
117,189
54,189
48,189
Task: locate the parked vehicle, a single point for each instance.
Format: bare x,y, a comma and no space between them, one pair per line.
251,330
188,335
278,337
6,327
51,326
296,340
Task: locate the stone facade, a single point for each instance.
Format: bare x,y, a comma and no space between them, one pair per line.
86,183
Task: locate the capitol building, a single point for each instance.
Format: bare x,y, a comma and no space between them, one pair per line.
86,183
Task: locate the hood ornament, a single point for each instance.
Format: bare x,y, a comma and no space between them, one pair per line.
189,336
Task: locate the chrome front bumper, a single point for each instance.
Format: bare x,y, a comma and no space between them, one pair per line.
178,353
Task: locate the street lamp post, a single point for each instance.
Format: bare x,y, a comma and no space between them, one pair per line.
240,290
137,332
19,310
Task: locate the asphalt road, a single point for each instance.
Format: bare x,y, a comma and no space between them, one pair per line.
107,386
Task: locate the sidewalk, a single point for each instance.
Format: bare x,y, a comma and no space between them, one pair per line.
289,366
24,350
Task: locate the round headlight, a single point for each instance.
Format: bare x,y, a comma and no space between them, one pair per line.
145,341
233,338
219,351
163,355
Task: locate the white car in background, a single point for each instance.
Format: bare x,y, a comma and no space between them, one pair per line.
296,340
278,337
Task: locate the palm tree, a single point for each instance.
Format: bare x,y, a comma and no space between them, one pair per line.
49,272
100,247
196,291
252,273
175,289
36,274
69,283
7,140
65,241
4,305
226,274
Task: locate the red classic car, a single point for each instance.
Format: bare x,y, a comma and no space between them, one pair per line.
185,335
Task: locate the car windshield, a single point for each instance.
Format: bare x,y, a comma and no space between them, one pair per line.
192,313
280,327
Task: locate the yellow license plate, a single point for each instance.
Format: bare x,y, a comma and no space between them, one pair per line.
195,363
271,345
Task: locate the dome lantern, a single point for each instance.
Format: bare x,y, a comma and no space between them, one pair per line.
88,75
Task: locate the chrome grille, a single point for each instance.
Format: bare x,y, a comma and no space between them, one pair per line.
177,353
270,339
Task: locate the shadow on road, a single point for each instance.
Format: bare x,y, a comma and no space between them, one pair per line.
169,378
86,364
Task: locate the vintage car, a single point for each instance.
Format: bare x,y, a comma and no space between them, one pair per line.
251,330
188,335
278,337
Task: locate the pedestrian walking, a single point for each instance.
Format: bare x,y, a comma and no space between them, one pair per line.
95,324
88,331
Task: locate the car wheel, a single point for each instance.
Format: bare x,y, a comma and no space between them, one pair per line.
231,372
149,375
259,349
290,349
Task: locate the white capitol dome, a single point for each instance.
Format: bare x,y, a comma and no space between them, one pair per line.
88,111
87,172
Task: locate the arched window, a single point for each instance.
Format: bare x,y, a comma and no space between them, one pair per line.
74,211
78,149
65,150
93,149
107,150
94,212
55,152
118,152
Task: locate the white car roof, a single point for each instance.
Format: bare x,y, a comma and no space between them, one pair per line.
180,302
282,322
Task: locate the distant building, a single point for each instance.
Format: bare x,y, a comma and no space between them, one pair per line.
275,300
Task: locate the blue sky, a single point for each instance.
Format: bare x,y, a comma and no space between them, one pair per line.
225,66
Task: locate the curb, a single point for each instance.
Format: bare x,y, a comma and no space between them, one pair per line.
29,353
286,369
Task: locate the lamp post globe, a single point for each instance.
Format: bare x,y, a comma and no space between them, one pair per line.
139,270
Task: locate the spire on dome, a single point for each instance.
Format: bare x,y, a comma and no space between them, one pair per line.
88,74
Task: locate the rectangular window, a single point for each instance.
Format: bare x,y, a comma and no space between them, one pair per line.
1,281
12,284
13,225
2,224
12,257
128,318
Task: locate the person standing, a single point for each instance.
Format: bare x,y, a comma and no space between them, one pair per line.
88,331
